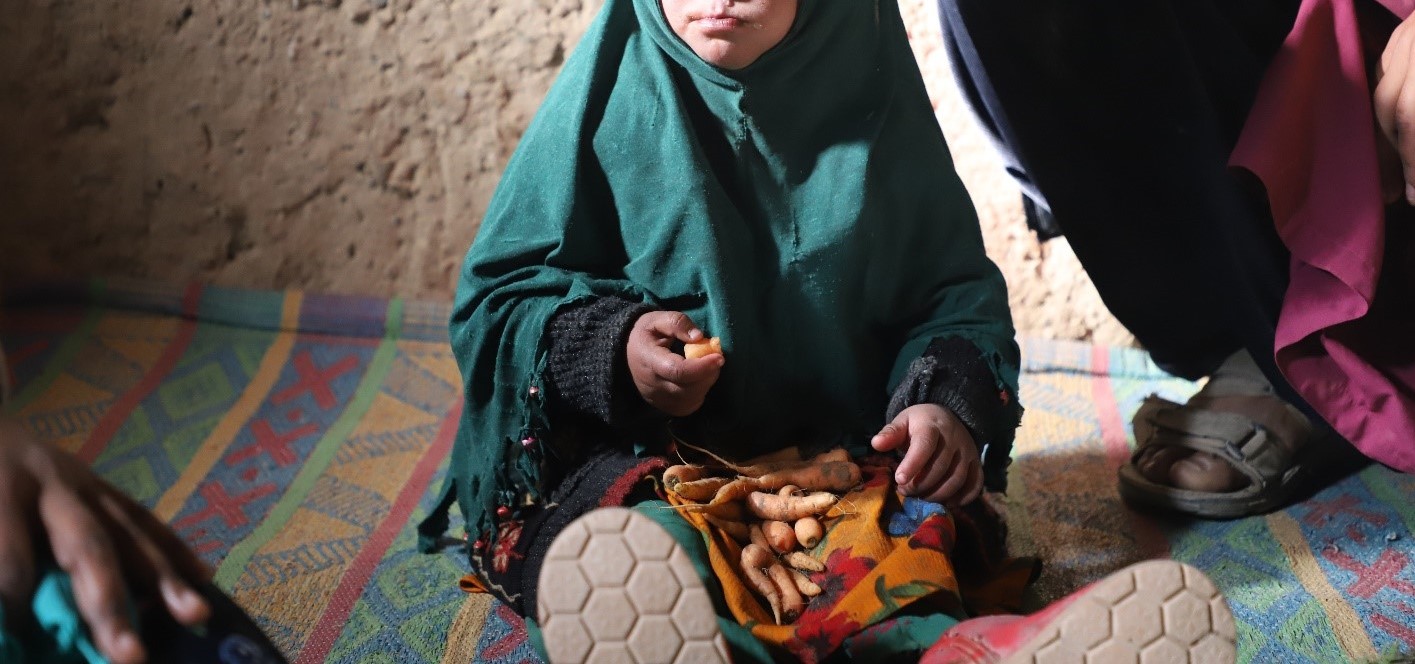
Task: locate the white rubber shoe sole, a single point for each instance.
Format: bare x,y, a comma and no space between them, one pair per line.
615,587
1155,612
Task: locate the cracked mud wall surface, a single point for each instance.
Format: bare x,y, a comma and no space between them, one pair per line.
340,145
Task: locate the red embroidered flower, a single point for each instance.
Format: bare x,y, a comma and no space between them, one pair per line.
843,571
814,641
936,533
507,535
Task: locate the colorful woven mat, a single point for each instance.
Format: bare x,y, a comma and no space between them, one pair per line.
291,439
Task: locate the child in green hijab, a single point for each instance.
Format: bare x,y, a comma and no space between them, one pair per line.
768,172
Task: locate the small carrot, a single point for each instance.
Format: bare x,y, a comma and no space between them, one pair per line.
828,476
809,531
837,454
791,602
780,535
700,490
781,462
805,585
755,534
734,529
803,561
788,490
755,556
754,560
733,511
784,455
729,492
682,473
788,508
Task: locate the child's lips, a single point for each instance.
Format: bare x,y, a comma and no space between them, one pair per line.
719,24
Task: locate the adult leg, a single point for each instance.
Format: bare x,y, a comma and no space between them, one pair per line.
1118,122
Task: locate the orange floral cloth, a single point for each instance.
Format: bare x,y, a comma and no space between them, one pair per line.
883,553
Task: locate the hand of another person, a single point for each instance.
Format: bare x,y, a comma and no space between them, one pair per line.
940,462
666,380
1394,103
53,507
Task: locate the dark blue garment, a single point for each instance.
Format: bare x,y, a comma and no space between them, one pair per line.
1117,119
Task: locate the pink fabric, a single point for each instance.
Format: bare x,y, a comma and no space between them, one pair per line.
1311,139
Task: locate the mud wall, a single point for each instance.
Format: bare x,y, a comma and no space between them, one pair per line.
344,145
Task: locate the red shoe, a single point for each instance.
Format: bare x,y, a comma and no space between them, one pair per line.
1154,612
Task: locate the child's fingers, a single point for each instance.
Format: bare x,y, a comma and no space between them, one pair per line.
665,365
940,468
676,370
892,435
972,488
923,445
676,385
975,484
704,369
954,485
676,325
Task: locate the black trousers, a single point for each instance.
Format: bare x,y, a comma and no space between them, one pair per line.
1118,120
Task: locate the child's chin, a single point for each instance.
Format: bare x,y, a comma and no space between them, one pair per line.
725,56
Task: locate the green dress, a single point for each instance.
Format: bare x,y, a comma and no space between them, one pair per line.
804,209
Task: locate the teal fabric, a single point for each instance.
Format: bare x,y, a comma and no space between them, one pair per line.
62,638
745,647
804,209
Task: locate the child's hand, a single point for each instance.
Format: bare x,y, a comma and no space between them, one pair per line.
668,381
941,464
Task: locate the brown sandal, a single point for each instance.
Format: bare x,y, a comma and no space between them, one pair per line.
1238,418
1271,464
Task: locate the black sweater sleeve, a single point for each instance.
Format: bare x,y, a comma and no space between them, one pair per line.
586,371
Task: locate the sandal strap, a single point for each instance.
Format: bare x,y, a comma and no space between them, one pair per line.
1239,375
1252,448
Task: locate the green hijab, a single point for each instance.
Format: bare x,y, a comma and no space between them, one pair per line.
804,209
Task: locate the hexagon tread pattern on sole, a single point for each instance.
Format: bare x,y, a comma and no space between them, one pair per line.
1155,612
617,587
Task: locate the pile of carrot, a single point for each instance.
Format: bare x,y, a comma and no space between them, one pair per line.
774,509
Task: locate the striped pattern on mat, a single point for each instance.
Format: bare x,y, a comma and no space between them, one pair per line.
1327,580
291,439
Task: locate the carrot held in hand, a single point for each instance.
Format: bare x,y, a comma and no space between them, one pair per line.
696,349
